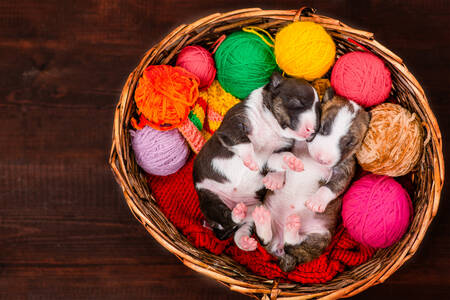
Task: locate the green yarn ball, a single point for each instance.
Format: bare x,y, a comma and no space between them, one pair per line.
244,63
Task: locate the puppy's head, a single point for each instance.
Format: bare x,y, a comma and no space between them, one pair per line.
295,105
343,127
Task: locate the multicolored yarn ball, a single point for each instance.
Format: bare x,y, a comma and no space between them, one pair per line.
198,61
191,128
165,94
362,77
159,152
218,103
394,142
244,62
304,50
376,211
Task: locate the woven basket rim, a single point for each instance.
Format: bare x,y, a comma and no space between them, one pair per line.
167,48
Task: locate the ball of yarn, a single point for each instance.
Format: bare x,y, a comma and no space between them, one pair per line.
165,94
393,144
304,50
361,77
376,211
159,152
244,62
198,61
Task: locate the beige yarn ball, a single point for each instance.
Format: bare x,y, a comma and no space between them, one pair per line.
393,144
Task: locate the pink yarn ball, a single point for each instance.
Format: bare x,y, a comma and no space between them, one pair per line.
159,152
198,61
376,211
361,77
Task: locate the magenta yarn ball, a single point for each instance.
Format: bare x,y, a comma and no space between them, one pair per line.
198,61
159,152
362,77
376,211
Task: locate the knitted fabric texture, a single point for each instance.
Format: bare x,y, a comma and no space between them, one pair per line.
218,102
177,199
165,94
191,128
394,142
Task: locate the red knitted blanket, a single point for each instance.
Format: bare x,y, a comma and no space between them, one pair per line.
177,198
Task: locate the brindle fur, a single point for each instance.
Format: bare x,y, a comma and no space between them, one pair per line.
342,173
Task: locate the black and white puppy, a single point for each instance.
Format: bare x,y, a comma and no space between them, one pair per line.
296,222
229,170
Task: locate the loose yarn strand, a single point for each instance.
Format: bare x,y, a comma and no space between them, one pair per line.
254,30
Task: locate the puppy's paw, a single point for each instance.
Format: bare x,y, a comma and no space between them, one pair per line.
247,243
239,213
293,223
319,201
292,162
274,180
261,216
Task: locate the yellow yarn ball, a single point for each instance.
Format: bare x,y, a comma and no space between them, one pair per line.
304,50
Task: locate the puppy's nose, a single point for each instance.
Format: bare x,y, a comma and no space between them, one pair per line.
309,128
322,160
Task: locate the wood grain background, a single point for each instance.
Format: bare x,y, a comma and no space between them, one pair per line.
65,230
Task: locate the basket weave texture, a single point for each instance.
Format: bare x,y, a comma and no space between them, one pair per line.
428,176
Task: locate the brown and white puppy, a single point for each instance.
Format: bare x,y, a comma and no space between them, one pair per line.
229,170
296,222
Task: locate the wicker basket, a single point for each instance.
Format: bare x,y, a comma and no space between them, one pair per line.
428,176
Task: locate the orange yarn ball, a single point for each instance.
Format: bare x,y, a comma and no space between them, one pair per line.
165,94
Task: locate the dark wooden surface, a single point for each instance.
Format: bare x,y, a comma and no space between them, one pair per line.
65,230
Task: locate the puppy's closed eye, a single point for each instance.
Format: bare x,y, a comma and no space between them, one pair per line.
294,103
348,141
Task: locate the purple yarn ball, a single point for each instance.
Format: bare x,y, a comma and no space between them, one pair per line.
159,152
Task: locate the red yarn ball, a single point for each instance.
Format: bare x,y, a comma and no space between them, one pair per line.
376,211
361,77
198,61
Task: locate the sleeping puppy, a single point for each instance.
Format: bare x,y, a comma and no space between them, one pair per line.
229,170
296,223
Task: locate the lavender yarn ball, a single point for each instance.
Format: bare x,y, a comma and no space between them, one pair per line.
159,152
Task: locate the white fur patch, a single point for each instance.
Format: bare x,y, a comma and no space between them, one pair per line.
326,147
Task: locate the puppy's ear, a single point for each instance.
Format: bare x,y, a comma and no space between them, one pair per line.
224,139
329,94
275,79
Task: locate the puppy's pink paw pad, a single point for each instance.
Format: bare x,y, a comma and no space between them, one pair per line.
261,215
251,164
293,223
239,212
293,163
274,181
247,243
316,203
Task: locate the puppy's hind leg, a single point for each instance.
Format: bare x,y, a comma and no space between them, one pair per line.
217,214
310,248
263,224
242,237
